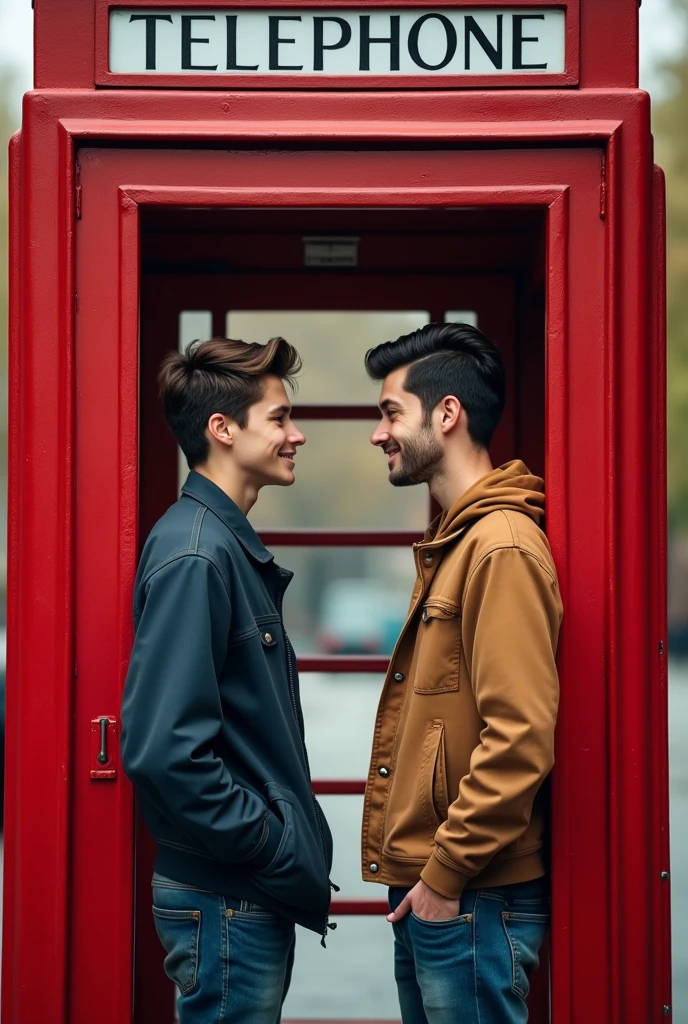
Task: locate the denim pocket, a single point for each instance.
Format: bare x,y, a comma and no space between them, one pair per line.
525,934
178,931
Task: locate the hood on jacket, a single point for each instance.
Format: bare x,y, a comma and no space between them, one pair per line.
511,487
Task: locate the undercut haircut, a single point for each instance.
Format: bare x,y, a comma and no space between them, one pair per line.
218,376
448,359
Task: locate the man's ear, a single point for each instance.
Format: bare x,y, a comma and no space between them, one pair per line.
450,413
220,429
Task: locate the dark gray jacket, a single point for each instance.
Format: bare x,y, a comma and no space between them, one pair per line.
212,729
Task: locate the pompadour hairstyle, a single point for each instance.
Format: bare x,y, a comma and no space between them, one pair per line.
448,359
220,375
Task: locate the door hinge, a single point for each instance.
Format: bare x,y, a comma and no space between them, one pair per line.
77,190
603,187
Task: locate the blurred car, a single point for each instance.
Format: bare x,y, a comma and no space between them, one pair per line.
360,616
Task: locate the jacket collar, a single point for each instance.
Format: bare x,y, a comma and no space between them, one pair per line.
209,494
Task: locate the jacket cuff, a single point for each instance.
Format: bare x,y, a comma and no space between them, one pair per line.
269,842
448,882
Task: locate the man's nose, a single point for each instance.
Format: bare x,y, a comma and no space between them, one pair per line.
297,437
379,436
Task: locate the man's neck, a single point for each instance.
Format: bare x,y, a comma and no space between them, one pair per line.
458,473
235,486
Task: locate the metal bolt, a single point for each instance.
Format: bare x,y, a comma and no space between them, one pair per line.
664,875
399,677
374,868
427,558
666,1010
384,772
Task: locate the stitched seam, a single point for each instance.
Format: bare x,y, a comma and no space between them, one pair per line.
224,925
509,547
196,529
188,553
261,842
512,526
476,993
242,638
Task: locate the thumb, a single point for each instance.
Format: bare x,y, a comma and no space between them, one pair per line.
401,911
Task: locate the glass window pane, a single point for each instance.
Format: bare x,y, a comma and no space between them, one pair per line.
332,345
346,600
353,979
461,316
193,324
350,699
341,482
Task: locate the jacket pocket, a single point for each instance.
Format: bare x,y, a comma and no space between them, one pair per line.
296,875
439,648
434,798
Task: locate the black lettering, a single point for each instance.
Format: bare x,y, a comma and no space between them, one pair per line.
151,28
275,40
450,33
232,47
495,53
187,40
518,39
319,45
392,41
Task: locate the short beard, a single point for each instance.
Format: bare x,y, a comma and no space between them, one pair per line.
418,459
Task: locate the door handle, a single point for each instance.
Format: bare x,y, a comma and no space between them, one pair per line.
104,747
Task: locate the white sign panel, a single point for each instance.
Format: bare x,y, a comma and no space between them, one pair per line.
318,41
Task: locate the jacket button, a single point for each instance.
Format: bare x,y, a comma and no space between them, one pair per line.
384,772
399,677
427,558
374,868
268,638
425,615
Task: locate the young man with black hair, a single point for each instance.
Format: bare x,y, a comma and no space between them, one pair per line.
454,814
212,725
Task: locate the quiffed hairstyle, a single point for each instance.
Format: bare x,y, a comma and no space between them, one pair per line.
220,375
448,359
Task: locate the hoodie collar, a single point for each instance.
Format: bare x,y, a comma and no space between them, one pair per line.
203,490
509,487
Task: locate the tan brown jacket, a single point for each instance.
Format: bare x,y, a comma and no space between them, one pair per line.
465,728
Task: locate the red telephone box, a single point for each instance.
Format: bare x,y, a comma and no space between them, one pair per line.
263,158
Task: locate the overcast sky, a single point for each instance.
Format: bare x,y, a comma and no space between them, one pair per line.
659,37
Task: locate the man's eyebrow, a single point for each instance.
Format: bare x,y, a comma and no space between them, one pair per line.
387,402
285,410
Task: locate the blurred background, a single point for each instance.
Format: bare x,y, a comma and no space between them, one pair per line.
354,597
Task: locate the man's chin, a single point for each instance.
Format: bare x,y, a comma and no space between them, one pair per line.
398,479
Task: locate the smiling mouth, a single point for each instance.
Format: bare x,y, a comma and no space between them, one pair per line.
288,458
391,452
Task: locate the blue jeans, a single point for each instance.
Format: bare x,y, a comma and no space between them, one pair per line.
473,969
230,960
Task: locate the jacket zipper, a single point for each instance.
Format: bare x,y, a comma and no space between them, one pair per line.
295,712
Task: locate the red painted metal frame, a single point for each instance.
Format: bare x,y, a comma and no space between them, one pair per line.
569,77
658,697
602,872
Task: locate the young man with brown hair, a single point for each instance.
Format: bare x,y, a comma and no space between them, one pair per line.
213,733
454,813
